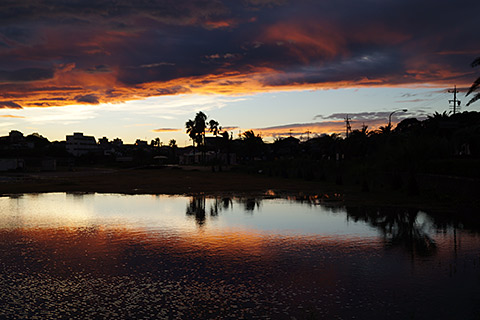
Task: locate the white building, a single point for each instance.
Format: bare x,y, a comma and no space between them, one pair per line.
78,144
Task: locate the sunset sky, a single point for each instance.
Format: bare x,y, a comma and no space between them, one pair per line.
141,69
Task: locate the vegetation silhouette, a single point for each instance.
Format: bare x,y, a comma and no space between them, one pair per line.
196,129
399,228
475,85
407,229
438,157
416,157
196,209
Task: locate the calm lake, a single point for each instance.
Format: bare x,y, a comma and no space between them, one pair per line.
172,257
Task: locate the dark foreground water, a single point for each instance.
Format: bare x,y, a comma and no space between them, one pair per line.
96,256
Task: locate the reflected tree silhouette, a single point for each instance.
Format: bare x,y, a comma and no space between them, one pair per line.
227,203
196,209
399,227
250,204
220,204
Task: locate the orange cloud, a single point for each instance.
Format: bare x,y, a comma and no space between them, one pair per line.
323,127
60,55
107,81
378,34
303,129
306,40
11,116
220,24
166,130
74,86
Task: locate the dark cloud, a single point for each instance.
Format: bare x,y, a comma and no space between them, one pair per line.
359,115
372,116
231,83
27,74
100,68
262,3
157,64
112,50
229,128
9,105
89,11
173,90
88,98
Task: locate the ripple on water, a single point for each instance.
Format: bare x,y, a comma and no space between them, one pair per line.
280,261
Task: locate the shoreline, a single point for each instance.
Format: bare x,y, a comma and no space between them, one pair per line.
195,181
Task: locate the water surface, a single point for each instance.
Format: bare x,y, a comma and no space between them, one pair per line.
123,256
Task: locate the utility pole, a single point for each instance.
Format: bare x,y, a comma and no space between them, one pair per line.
348,126
308,134
454,91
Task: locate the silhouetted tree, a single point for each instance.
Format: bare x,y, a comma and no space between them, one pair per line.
190,126
196,130
196,209
214,127
385,129
408,125
38,140
173,146
225,144
476,84
200,127
253,143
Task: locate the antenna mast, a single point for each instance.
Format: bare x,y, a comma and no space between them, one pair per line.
348,126
455,101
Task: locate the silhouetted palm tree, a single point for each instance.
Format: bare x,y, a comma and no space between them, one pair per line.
173,146
200,127
196,130
190,125
226,142
252,142
385,129
476,84
214,127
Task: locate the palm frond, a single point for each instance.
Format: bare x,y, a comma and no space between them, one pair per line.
475,98
474,86
476,62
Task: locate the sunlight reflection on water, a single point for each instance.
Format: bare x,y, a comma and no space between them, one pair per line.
96,255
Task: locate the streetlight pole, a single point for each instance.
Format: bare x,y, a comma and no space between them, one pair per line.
390,116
